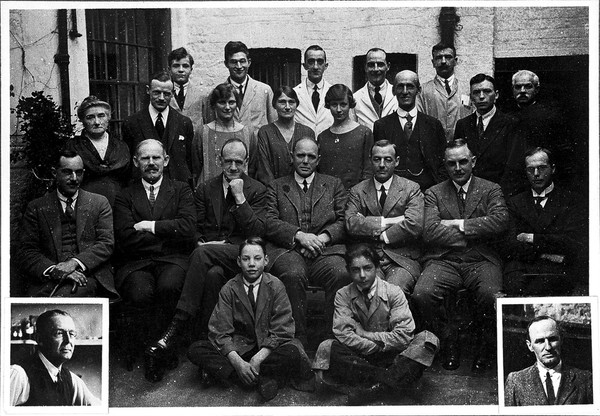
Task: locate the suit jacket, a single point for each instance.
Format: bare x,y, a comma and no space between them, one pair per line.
365,113
560,228
193,106
173,236
363,218
434,101
41,236
234,326
427,130
241,222
319,120
177,140
485,219
524,388
499,155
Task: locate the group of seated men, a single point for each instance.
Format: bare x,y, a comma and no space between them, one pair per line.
436,221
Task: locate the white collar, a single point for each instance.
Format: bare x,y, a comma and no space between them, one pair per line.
300,180
156,185
52,370
465,187
487,115
402,113
387,184
177,87
544,193
382,87
372,289
443,80
311,86
255,283
543,369
64,198
154,113
237,84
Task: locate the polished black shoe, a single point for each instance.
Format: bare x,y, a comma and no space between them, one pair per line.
267,388
169,337
153,368
450,356
362,396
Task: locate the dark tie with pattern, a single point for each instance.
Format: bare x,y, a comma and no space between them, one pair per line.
377,96
538,203
69,208
408,126
550,389
240,95
382,197
365,293
152,196
480,129
315,98
229,197
461,200
159,126
251,297
305,186
448,90
180,98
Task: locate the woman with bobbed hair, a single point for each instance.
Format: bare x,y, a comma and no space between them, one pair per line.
276,140
345,146
105,157
206,149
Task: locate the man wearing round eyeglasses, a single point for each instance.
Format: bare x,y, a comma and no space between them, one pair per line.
43,380
548,234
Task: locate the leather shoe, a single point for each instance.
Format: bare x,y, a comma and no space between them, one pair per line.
267,388
450,356
153,370
168,338
367,395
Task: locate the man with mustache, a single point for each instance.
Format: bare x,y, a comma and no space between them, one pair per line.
155,231
67,237
174,130
43,380
549,381
387,211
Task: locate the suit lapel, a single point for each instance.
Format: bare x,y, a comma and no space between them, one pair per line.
536,385
52,218
165,194
491,133
293,194
147,127
82,208
366,99
358,300
263,299
248,97
549,212
388,100
393,195
170,130
216,196
318,191
566,386
474,195
240,292
449,199
140,200
370,198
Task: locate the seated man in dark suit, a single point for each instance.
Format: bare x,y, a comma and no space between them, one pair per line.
463,217
549,381
154,230
67,237
373,327
388,210
160,122
44,380
547,234
251,331
305,222
229,208
492,139
419,138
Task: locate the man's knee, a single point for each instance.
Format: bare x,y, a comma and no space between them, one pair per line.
401,278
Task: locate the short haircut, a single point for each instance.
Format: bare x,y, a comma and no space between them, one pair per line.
383,143
315,48
532,75
89,102
362,250
221,92
457,143
233,47
482,77
309,139
375,50
162,76
148,141
179,53
543,318
253,241
441,46
533,150
66,153
235,140
339,92
287,90
42,324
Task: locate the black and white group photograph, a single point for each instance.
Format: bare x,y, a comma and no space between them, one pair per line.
308,207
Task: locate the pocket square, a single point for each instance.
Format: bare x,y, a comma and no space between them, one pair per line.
181,137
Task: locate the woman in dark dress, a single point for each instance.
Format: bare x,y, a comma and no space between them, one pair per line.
346,145
275,140
105,157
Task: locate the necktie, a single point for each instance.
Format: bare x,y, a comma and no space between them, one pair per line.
377,96
550,389
382,197
538,203
240,95
180,98
305,186
69,208
159,126
408,126
448,90
152,197
480,127
251,297
365,293
461,200
315,98
229,197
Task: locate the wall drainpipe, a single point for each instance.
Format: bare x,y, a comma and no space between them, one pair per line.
448,24
62,60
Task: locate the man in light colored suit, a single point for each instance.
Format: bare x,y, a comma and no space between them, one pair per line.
376,99
549,381
188,97
387,210
464,216
305,224
254,108
67,237
444,97
311,111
